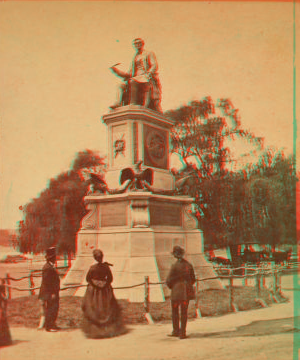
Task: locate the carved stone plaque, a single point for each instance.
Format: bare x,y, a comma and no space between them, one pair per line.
114,214
165,214
119,149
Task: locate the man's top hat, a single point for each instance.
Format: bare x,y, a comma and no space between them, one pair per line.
50,252
177,251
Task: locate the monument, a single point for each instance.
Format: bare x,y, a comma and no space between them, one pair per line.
139,214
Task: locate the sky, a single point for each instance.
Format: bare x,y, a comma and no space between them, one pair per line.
56,84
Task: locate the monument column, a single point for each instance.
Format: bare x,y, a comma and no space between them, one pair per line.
138,134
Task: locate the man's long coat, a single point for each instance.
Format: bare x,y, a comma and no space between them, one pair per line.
180,280
50,282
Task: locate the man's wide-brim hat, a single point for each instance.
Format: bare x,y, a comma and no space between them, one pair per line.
177,251
50,252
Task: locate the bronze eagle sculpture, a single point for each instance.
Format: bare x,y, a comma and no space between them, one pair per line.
137,177
99,186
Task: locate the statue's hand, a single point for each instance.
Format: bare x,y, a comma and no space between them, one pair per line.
149,75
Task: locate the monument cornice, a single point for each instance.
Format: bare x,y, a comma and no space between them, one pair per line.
138,195
136,112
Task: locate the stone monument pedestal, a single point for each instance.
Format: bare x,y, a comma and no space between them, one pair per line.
136,230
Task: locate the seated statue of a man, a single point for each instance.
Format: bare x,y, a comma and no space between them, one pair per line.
141,84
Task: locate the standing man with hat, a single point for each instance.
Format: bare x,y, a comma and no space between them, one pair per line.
180,280
49,291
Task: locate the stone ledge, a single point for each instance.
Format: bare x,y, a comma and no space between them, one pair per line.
136,112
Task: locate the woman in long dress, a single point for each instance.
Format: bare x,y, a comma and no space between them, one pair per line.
5,337
101,312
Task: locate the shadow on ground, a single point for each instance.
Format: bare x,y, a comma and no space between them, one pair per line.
257,328
14,342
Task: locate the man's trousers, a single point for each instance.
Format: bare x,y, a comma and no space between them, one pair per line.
183,305
51,308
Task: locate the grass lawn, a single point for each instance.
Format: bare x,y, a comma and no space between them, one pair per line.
25,311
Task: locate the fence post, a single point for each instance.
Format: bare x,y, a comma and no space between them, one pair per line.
8,288
146,297
232,304
279,282
230,291
261,279
245,280
274,277
276,280
31,283
198,312
146,301
257,284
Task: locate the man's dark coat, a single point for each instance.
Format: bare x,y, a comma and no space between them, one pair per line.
50,282
49,294
180,280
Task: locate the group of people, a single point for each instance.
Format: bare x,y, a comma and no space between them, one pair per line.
101,312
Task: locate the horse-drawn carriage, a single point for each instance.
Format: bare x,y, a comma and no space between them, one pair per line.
251,257
256,257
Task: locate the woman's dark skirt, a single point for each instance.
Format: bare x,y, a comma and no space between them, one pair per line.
101,313
5,337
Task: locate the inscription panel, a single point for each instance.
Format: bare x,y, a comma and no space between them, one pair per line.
165,214
114,214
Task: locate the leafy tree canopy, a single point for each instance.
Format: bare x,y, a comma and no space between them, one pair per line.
54,217
251,203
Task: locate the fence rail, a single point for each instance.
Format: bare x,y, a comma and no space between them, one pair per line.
259,274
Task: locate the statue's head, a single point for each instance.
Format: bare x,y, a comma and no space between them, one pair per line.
138,165
138,43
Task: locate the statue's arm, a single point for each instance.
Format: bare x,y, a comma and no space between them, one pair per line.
120,73
152,63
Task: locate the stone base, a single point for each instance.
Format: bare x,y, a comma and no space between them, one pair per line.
136,253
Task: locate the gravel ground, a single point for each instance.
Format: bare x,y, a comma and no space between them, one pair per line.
264,334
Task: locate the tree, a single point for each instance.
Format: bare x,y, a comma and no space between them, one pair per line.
54,217
272,187
232,207
200,132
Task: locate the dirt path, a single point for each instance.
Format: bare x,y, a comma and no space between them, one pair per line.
265,334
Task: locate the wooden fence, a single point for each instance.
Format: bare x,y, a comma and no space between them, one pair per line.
258,274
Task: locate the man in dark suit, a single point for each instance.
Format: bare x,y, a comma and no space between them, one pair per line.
49,291
180,280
